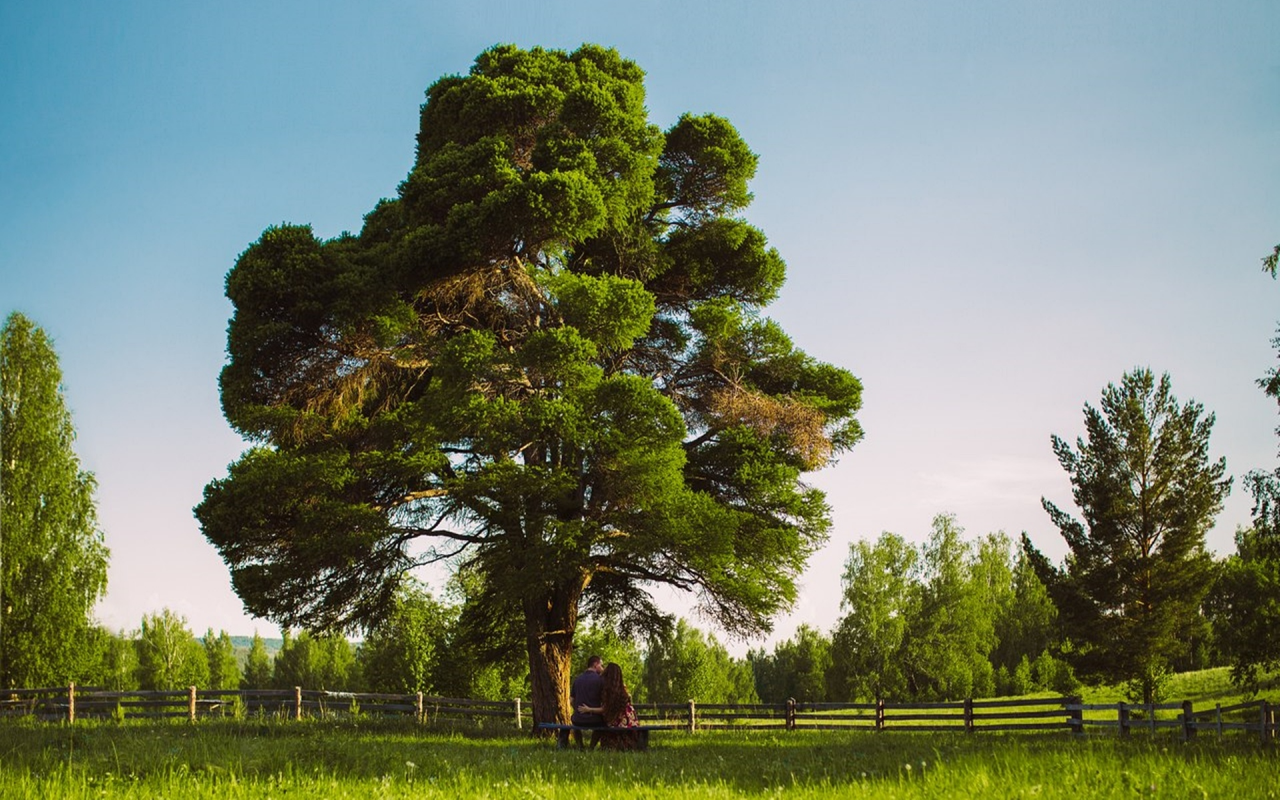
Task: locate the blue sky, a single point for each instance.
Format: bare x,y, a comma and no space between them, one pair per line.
989,211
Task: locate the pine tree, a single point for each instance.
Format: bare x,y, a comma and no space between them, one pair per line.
1131,590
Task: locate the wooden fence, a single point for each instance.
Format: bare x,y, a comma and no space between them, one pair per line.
1257,716
69,703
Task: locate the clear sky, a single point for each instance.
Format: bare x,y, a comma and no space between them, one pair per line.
989,210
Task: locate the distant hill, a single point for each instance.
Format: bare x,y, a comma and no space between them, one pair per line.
243,643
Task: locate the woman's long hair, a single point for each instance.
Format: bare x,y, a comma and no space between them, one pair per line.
614,697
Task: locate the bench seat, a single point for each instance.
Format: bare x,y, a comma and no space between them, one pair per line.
641,732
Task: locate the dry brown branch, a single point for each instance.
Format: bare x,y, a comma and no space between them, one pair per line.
802,425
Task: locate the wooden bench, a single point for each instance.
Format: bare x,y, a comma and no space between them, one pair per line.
641,732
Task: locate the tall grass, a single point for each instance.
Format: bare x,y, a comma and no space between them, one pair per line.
234,759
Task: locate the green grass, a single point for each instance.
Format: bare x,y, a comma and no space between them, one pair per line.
1204,688
229,759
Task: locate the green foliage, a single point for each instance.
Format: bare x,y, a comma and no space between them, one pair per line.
257,666
53,562
403,652
1131,590
224,668
169,655
948,642
682,663
325,662
1027,623
1245,602
1049,672
881,596
486,655
114,659
497,682
543,361
949,620
796,669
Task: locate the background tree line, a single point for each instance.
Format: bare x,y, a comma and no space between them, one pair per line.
417,649
948,618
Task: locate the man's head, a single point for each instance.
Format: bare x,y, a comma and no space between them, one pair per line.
595,664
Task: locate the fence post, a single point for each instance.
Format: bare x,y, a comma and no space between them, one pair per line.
518,725
1188,725
297,702
789,714
421,712
879,714
1271,721
71,703
1123,713
191,703
1077,714
1217,718
693,717
1264,728
968,715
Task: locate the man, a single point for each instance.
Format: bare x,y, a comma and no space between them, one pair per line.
586,690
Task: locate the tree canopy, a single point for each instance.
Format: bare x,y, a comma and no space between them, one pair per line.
53,562
1131,589
544,361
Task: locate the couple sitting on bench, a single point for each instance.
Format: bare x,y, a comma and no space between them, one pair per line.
600,699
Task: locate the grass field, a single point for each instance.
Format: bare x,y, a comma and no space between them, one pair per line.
364,757
251,759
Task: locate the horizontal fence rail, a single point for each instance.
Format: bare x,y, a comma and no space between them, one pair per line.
1256,716
69,703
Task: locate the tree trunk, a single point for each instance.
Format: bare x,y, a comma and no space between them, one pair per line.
550,621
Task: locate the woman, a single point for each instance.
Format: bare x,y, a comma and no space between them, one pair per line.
615,706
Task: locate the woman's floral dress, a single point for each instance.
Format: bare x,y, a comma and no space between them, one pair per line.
626,718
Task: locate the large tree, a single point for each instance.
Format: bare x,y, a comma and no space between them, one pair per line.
53,562
1131,589
1246,600
543,361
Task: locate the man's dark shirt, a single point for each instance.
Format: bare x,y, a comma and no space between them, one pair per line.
587,690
